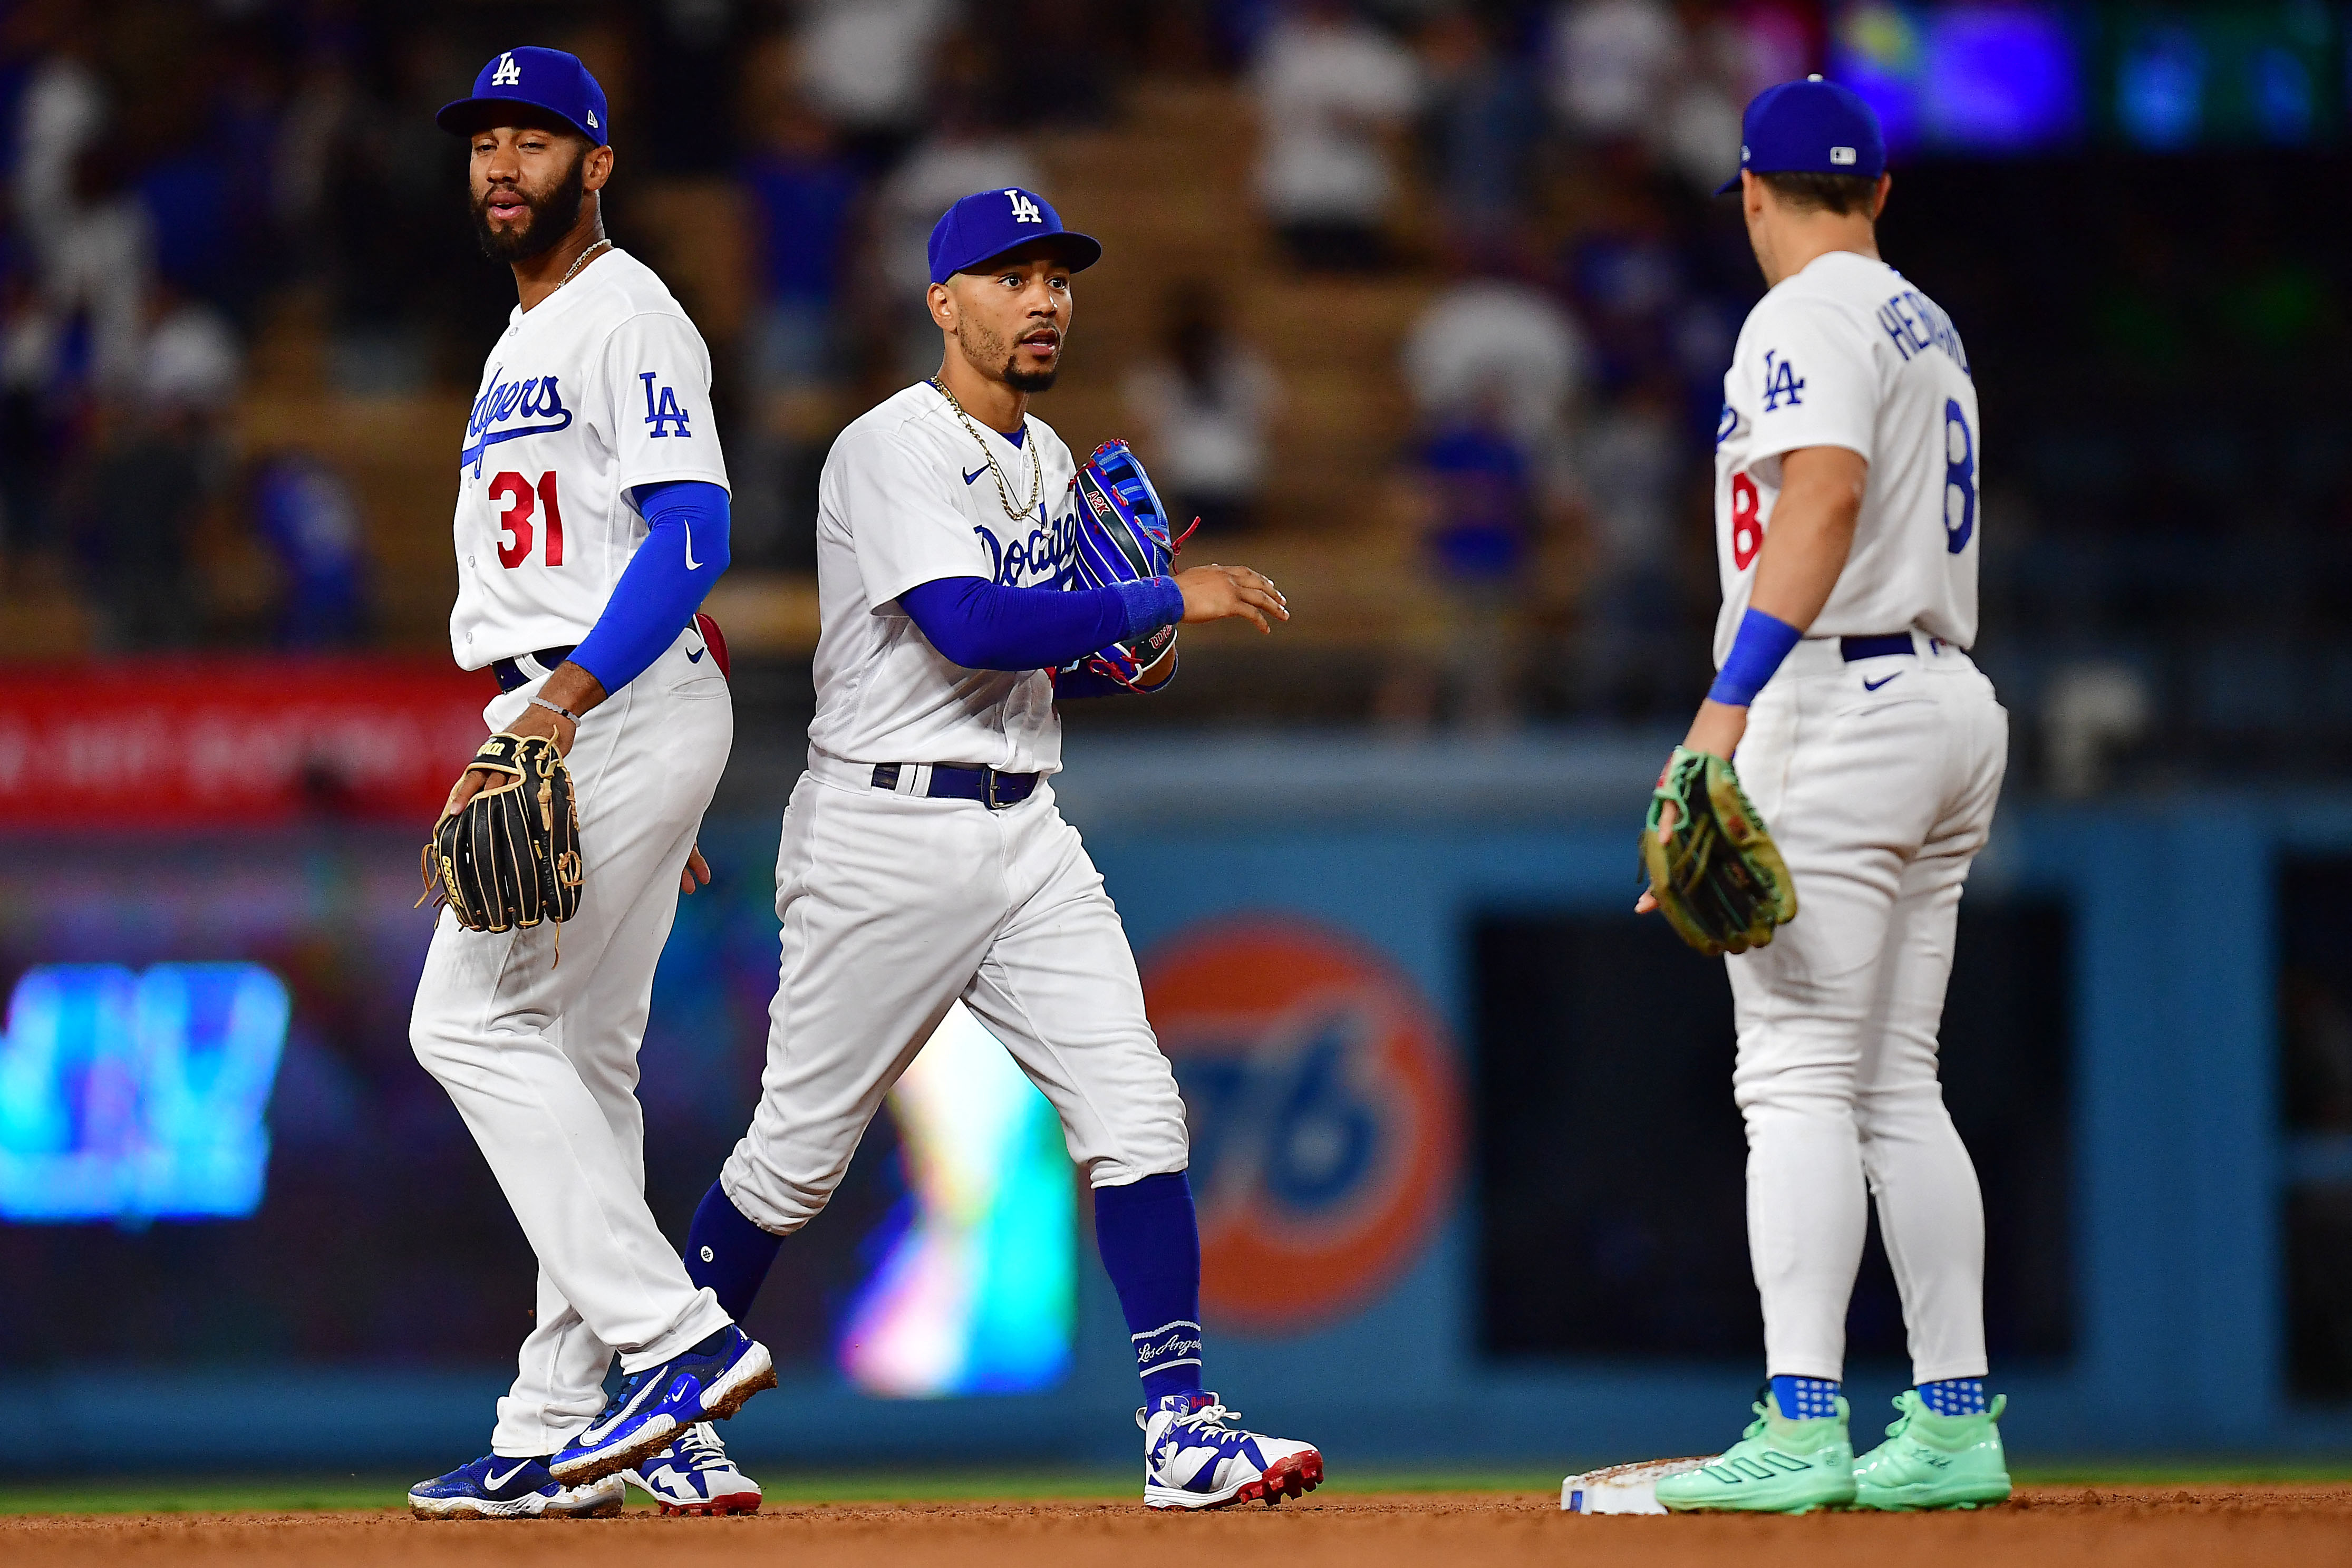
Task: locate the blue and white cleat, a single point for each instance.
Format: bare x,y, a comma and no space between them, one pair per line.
1194,1457
500,1487
709,1382
694,1475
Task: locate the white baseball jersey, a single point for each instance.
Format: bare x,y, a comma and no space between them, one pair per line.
907,498
1847,353
603,386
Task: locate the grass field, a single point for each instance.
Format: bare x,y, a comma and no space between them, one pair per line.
287,1494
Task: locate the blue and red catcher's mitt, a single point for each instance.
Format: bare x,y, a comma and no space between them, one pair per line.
1123,537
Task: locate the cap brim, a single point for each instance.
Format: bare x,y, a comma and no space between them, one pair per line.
463,117
1081,251
1729,185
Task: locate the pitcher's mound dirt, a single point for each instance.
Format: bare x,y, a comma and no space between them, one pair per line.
2193,1526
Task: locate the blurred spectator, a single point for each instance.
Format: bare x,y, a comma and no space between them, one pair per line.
1628,281
1633,462
1203,403
1481,509
61,111
804,197
1330,89
867,66
963,153
1490,336
192,361
98,270
1485,118
1612,63
306,516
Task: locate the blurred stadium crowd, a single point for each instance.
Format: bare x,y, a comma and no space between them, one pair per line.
1421,303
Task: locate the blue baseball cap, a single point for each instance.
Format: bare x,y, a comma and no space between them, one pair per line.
990,223
1810,127
540,79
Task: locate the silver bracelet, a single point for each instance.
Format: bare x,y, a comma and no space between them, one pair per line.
539,701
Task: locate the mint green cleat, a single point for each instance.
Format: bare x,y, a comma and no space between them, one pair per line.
1933,1461
1778,1466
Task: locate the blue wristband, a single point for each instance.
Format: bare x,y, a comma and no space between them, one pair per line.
1152,603
1762,643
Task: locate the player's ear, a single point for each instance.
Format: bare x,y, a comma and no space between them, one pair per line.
942,301
1878,202
598,169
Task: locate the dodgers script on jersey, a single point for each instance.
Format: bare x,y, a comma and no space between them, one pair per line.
906,498
604,387
1847,353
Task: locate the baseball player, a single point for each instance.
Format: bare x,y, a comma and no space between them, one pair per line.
1846,532
592,518
923,860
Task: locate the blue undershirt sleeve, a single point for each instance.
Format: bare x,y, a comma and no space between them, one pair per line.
684,552
982,625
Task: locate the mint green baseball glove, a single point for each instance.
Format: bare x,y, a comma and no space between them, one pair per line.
1718,878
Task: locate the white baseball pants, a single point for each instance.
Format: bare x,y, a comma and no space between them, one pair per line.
895,906
540,1056
1879,799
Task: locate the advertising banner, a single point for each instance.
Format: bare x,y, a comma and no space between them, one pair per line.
216,740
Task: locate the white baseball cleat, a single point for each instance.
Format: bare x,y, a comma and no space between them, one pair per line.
694,1475
1196,1457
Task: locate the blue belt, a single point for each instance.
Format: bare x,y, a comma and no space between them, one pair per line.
949,782
1876,648
510,674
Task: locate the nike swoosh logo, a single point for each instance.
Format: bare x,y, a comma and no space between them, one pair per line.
1875,685
493,1483
691,564
975,474
696,656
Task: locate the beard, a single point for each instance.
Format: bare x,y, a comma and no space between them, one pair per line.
982,347
551,218
1021,380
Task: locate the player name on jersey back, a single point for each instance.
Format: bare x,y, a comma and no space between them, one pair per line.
603,386
1848,354
909,497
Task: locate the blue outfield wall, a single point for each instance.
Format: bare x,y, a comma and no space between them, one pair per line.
2180,1333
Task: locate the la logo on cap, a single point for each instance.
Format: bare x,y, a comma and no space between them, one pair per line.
508,74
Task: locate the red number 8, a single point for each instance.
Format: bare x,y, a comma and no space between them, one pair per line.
1746,528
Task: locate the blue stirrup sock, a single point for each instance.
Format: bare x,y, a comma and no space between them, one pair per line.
1150,1246
728,1253
1955,1396
1806,1399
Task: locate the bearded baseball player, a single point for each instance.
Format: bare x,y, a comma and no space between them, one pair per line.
1846,532
970,574
591,519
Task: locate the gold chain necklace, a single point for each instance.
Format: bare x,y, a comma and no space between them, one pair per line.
1004,493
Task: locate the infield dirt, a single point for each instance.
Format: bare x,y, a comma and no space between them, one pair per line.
2203,1526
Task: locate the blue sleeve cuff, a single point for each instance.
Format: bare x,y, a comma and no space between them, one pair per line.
1152,603
1762,643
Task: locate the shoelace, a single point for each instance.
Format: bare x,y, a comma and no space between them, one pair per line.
701,1447
1212,1419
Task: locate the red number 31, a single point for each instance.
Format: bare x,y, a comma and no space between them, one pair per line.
1746,528
515,532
